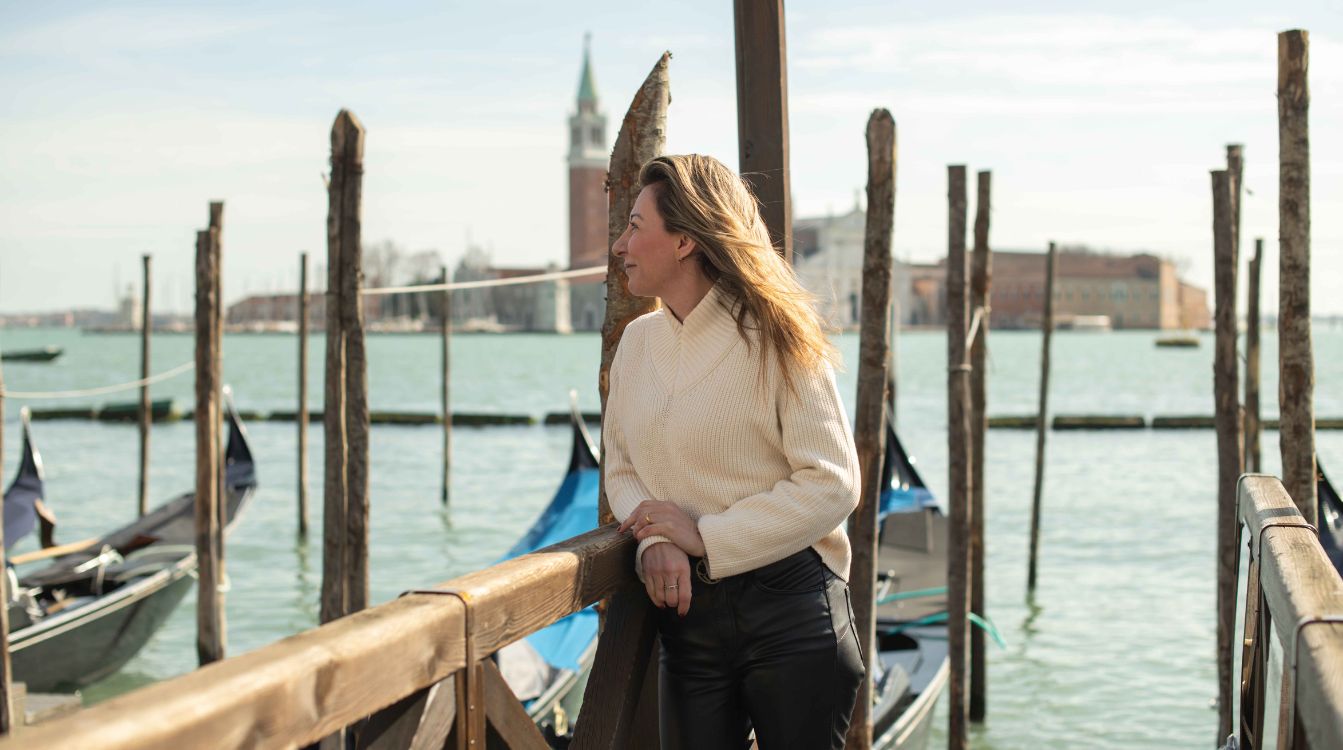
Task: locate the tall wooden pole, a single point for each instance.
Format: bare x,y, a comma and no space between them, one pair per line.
893,360
345,534
146,325
762,114
1296,361
221,491
445,307
1252,426
6,675
643,135
209,599
1226,392
303,394
869,422
958,450
980,278
1235,167
1041,424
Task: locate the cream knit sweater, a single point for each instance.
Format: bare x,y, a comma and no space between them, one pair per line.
688,420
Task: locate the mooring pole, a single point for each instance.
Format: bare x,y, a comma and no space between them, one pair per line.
302,395
209,598
146,325
1041,423
958,450
980,279
1229,449
1252,426
762,114
445,314
869,421
6,675
1296,360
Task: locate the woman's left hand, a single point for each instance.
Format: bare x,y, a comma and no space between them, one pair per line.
660,518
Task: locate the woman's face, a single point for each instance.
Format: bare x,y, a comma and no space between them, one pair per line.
650,252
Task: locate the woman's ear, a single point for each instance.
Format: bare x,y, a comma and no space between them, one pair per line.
685,247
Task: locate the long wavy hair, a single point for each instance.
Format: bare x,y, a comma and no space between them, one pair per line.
703,199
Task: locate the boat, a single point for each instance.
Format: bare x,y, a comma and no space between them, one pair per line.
1178,341
1330,518
84,614
45,354
548,669
911,605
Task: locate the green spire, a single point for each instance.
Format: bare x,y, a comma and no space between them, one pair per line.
587,88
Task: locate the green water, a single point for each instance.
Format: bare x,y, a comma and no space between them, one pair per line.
1116,651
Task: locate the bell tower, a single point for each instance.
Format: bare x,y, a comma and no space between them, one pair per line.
589,156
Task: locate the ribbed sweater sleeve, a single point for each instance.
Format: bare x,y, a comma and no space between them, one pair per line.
811,502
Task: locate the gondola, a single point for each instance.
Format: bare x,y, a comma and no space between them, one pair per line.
1330,518
548,669
45,354
84,614
912,664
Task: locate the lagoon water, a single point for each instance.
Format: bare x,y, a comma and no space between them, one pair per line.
1115,651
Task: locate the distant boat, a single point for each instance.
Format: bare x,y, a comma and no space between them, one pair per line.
45,354
1179,341
81,617
1085,323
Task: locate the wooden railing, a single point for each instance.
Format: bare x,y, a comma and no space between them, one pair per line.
1293,592
410,672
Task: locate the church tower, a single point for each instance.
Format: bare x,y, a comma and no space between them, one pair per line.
589,156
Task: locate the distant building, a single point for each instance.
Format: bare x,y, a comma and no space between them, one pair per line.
589,157
542,307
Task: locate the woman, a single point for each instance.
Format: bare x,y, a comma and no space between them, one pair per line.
729,456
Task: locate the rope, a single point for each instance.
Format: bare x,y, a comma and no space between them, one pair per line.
103,389
553,276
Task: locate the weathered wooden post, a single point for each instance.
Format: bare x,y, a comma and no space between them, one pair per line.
958,449
893,359
345,527
1235,167
762,114
209,598
1041,424
980,278
1229,450
302,394
445,307
624,672
1252,426
6,675
1296,361
869,422
146,325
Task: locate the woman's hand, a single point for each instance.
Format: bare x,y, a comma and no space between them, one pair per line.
660,518
667,576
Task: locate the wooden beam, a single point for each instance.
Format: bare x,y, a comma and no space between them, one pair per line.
1296,360
980,279
146,325
624,656
1253,426
1041,425
762,114
506,714
1226,392
209,599
869,421
643,135
958,450
302,395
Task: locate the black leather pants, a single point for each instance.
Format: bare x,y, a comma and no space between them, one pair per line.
774,649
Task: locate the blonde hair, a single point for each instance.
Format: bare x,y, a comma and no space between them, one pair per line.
700,197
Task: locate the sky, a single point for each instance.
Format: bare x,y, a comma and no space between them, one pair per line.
1100,122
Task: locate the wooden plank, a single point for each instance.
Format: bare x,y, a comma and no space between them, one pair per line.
302,413
980,278
624,656
146,326
1226,393
470,726
209,600
958,449
505,712
1047,334
642,136
1296,360
762,114
1253,426
439,716
288,694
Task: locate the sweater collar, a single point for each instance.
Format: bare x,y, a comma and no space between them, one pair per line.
685,351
